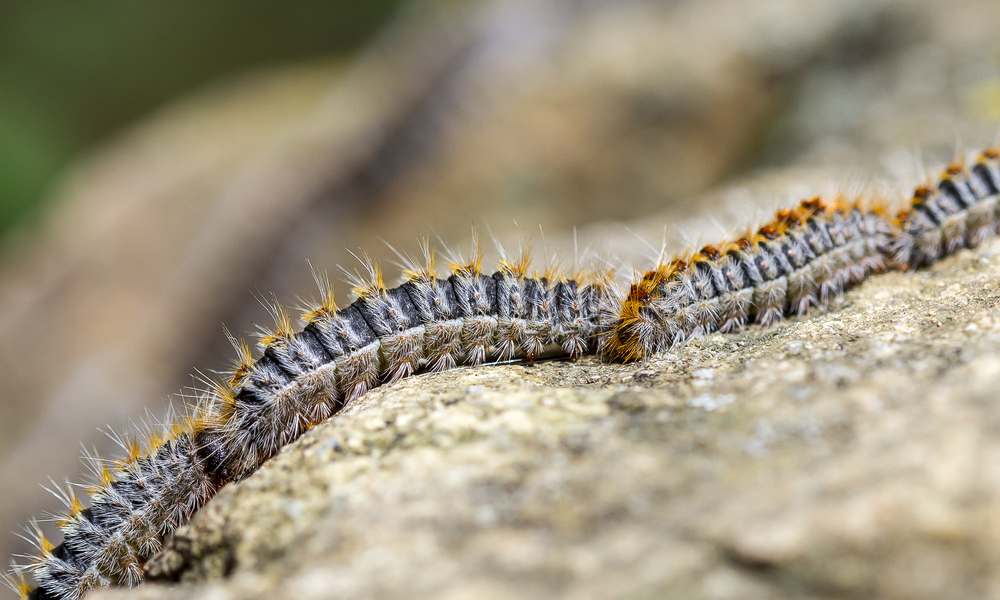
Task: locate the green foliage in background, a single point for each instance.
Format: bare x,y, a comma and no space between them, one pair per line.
72,73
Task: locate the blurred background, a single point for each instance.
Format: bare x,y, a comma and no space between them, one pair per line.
161,164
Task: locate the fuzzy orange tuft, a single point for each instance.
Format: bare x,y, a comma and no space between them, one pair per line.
326,307
282,329
518,268
622,344
771,231
133,451
952,170
73,509
920,195
374,287
242,364
708,253
426,273
472,266
17,582
814,205
222,393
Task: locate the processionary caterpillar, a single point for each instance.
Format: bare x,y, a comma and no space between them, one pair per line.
800,259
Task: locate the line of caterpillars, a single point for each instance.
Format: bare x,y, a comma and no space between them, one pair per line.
801,259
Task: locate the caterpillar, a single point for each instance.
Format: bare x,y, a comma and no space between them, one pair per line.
802,258
299,379
799,260
961,211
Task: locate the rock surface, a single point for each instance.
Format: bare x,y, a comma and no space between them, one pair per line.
852,453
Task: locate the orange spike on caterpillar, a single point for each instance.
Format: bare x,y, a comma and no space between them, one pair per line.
368,281
413,270
243,361
326,302
34,535
459,262
17,582
67,497
281,329
514,265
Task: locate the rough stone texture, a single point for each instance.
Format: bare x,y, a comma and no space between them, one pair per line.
848,454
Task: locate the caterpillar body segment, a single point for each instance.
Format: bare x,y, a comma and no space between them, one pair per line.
801,259
960,211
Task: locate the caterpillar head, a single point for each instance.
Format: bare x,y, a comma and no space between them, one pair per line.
638,331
